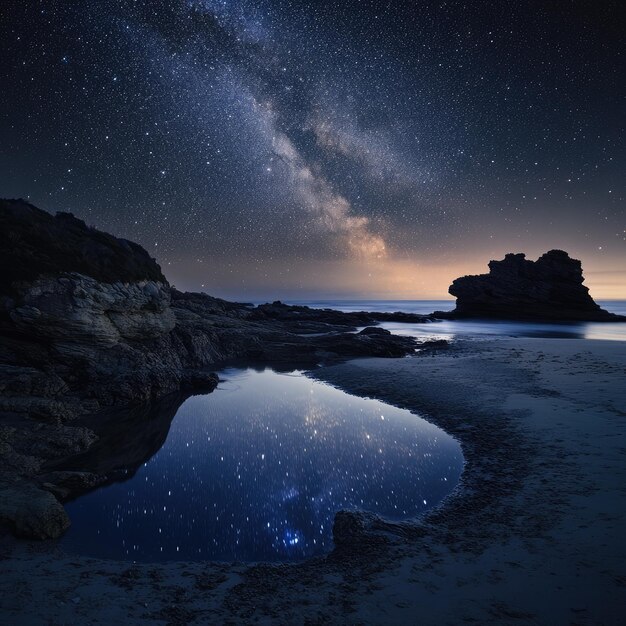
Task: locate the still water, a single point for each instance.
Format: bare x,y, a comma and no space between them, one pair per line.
257,470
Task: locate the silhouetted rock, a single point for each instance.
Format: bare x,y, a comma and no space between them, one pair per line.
435,344
375,330
34,243
299,314
550,288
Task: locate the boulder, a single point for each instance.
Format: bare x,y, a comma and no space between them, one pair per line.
31,512
375,330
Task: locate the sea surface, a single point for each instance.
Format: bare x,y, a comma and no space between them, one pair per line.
446,329
256,471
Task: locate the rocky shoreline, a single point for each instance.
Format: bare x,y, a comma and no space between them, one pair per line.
88,322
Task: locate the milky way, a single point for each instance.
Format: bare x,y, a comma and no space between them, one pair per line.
285,147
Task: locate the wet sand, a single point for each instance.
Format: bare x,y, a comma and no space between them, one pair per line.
532,535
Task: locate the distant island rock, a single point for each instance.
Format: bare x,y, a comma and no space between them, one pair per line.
550,288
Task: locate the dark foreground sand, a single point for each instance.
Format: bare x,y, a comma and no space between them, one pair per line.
535,533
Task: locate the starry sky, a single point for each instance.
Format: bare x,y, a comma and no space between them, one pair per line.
286,148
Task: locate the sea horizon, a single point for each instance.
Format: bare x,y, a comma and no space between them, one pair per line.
423,306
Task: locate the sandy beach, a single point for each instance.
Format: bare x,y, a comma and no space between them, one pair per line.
532,535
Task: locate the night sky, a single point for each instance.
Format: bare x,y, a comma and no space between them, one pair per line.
278,148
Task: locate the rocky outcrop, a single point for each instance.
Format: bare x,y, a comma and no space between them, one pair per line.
34,243
88,322
550,288
299,317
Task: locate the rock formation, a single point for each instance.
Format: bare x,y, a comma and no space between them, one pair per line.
550,288
89,322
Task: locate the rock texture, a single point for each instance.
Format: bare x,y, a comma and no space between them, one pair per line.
550,288
31,512
88,322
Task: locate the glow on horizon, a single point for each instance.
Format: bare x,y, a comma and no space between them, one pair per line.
377,279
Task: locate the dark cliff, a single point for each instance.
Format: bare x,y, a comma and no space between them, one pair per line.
34,243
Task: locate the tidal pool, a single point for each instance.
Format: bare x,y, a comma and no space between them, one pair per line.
256,471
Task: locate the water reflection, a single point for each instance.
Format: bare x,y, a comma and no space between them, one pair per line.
257,470
126,438
448,329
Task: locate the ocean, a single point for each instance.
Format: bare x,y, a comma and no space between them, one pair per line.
447,329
